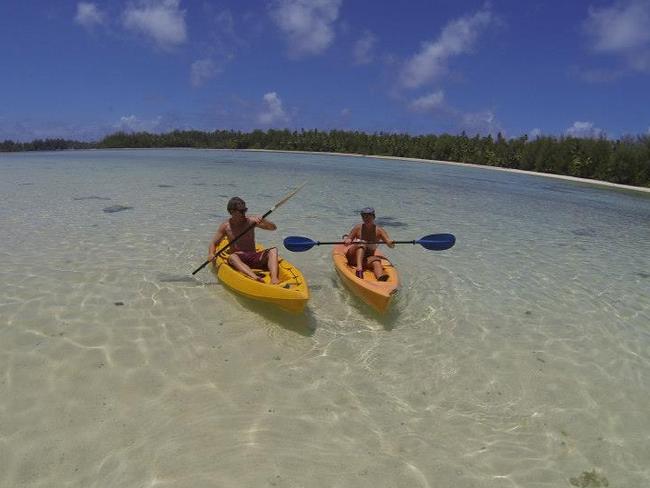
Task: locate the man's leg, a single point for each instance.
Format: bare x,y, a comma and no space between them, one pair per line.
239,265
272,264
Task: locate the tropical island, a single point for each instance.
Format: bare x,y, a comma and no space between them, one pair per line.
623,161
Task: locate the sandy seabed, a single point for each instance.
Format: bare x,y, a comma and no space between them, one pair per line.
518,358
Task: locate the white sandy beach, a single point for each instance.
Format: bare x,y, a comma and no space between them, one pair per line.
469,165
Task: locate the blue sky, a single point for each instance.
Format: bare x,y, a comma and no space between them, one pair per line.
84,69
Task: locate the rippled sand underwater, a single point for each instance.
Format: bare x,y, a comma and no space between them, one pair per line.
520,357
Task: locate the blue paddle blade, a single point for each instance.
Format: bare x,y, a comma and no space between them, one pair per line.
298,243
437,242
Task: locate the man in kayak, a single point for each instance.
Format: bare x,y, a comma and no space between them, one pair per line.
243,255
362,241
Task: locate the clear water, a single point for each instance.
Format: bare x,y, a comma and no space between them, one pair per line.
520,357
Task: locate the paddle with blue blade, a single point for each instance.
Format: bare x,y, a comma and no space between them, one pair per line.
432,242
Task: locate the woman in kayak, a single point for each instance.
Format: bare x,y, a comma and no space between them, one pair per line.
243,255
362,241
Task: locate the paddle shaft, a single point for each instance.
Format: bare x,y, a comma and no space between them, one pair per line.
433,242
218,253
318,243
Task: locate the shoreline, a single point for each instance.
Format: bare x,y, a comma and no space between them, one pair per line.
587,181
471,165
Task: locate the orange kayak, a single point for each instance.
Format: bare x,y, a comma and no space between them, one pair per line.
377,294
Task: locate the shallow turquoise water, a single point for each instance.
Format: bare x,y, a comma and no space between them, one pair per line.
520,357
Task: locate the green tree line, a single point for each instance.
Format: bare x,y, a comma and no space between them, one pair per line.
625,160
44,145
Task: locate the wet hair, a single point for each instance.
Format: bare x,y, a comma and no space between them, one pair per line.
235,203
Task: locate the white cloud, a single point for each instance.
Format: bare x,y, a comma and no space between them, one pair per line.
308,24
436,106
88,15
202,71
429,102
362,51
535,133
584,129
131,123
622,29
641,61
480,123
273,112
159,19
457,37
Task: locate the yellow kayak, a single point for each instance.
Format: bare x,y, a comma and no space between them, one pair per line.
291,294
377,294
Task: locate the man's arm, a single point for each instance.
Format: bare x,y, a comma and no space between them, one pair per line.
262,223
216,239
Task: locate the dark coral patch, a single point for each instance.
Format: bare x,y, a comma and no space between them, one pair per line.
116,208
584,232
390,222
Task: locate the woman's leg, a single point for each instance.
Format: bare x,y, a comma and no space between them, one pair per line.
375,264
359,257
355,256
